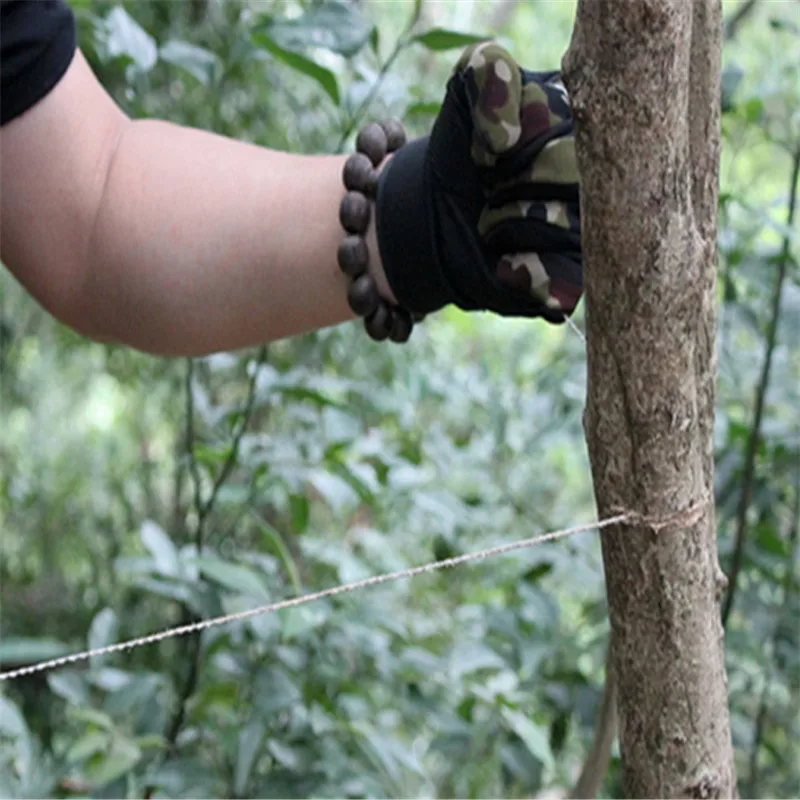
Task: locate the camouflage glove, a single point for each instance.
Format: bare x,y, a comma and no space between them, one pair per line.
484,212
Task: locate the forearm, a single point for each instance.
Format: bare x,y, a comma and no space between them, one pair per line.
171,240
202,243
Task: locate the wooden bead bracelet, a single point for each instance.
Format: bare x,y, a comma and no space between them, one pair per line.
382,320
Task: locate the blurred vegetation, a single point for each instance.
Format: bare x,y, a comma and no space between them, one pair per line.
137,493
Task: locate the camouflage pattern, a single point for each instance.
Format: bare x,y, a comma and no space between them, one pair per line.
522,128
554,212
510,106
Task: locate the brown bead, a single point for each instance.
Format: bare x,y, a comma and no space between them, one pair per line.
395,134
359,175
363,296
371,141
354,212
379,322
353,255
401,326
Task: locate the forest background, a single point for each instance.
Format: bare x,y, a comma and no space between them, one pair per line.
329,458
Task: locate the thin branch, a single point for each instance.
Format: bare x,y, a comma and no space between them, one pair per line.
754,436
788,584
734,22
401,44
605,731
194,467
203,509
233,455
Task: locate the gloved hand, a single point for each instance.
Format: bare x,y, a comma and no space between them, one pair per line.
484,213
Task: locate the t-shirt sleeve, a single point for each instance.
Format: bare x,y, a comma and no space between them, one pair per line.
37,43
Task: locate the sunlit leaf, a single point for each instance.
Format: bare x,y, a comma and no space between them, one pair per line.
70,685
334,26
323,76
296,622
160,546
87,745
534,736
120,758
21,650
235,577
12,723
103,630
337,491
251,739
199,62
125,37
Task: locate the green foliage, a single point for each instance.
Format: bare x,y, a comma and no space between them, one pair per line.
358,459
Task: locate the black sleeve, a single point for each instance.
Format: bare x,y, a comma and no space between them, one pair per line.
37,43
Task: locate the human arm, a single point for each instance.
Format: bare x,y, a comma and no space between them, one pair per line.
180,242
171,240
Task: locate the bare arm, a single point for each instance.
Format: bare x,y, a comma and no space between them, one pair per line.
171,240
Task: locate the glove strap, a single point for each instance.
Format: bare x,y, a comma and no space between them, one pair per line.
382,320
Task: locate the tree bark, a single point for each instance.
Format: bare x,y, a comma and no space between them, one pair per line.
644,80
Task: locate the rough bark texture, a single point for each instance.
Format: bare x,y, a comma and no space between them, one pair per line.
644,76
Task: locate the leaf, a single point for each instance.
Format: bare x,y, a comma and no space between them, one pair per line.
235,577
211,457
470,658
103,768
197,61
301,511
439,39
295,622
288,757
21,650
333,26
125,37
338,493
731,78
778,24
538,572
160,546
91,716
165,588
251,738
275,691
85,747
534,736
754,110
12,723
103,630
275,540
358,483
111,680
70,686
323,76
769,540
423,109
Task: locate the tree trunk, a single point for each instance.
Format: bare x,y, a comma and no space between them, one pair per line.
644,80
